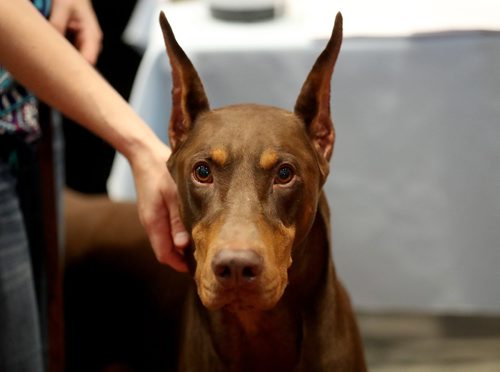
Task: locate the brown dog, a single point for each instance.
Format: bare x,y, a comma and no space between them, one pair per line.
266,296
250,180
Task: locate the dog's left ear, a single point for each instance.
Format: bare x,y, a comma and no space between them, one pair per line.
313,104
188,95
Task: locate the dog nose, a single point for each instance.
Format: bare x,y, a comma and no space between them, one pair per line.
236,267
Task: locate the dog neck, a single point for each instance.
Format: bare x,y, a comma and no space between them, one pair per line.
257,340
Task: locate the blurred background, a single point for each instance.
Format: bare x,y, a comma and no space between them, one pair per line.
415,177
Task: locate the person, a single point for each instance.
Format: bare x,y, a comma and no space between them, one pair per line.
36,57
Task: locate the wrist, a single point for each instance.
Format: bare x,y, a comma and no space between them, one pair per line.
144,152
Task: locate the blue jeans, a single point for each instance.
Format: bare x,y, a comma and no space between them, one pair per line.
20,332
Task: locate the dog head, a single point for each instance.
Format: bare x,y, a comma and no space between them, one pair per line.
249,179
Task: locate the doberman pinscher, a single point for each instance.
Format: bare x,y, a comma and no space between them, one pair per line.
250,182
265,295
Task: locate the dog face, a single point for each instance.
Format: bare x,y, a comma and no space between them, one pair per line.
245,191
249,179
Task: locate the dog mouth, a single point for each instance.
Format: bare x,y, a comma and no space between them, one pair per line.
241,303
241,299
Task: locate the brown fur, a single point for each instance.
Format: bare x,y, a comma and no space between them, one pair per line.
288,311
294,314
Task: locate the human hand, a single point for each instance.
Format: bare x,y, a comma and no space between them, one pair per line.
76,18
158,206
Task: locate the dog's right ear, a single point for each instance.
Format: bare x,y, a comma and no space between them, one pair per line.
188,95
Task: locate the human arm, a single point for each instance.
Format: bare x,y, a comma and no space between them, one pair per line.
47,64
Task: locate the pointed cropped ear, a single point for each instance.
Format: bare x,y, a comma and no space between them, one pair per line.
313,104
188,95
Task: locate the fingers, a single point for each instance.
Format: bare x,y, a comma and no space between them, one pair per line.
159,212
180,236
160,238
78,20
89,43
88,33
59,16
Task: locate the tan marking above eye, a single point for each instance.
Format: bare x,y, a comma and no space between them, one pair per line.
268,159
219,156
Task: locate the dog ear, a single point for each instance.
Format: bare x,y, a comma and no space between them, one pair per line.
313,104
188,95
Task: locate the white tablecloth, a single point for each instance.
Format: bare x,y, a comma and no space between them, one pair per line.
415,177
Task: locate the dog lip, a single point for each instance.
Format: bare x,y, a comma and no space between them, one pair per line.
240,298
241,301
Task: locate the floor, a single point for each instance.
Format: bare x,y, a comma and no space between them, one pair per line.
421,343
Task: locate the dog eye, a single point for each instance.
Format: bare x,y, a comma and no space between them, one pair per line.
285,175
202,173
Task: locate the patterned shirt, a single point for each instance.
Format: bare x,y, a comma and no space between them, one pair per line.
18,107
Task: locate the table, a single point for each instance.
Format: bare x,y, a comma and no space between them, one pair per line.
415,178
